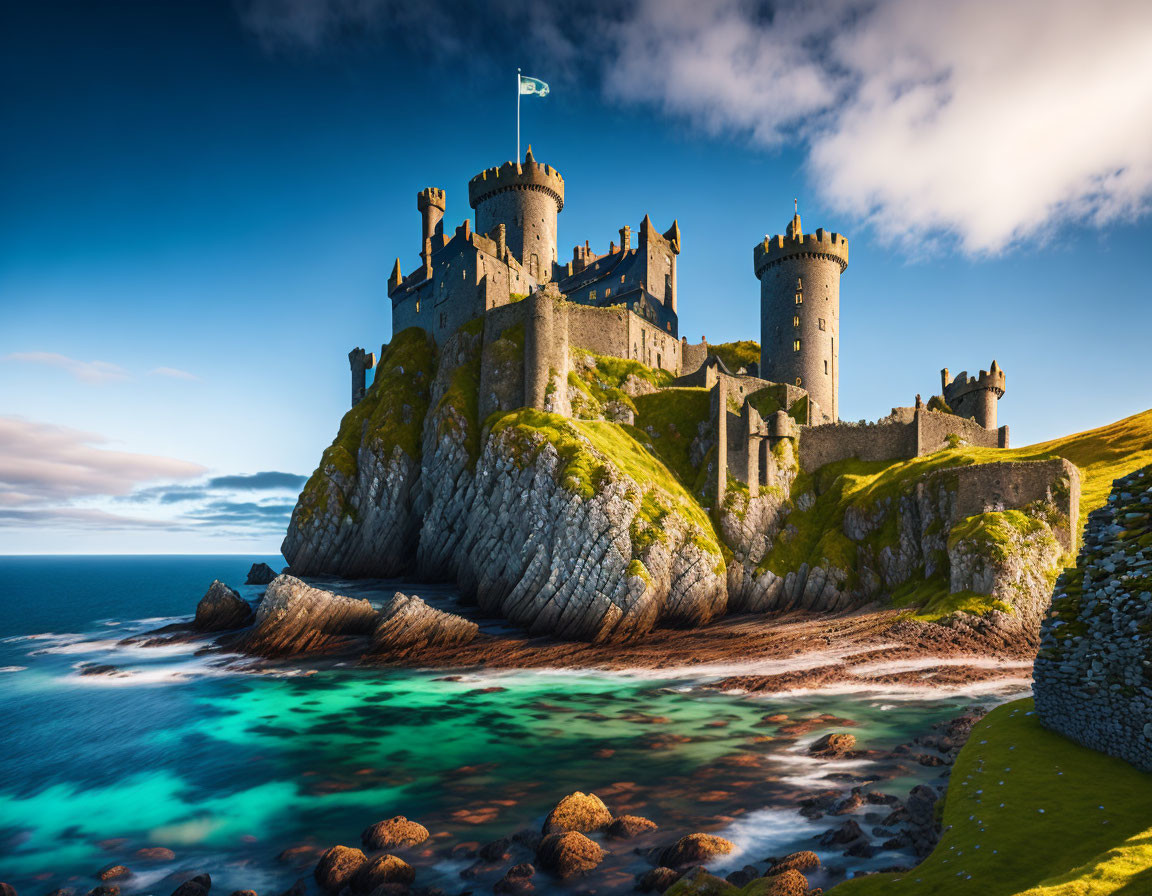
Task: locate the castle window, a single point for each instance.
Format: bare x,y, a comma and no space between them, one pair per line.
797,381
821,323
799,285
621,278
799,298
668,326
592,296
534,265
796,345
417,306
607,291
796,321
667,286
825,368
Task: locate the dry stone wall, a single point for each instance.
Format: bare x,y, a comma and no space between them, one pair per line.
1093,673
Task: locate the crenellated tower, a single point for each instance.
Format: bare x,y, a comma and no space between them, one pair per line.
799,278
526,198
974,396
430,202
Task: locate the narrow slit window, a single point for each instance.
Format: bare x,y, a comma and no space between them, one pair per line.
796,321
796,345
825,367
799,298
821,323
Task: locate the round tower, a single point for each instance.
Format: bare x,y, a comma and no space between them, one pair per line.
799,278
526,198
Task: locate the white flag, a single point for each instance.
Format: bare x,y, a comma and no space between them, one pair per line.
533,86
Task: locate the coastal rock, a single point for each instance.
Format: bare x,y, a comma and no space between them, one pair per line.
565,855
260,574
695,849
805,860
196,886
386,869
337,866
583,812
407,625
113,872
296,618
7,889
843,834
392,834
517,880
789,882
833,746
221,609
657,880
155,854
625,827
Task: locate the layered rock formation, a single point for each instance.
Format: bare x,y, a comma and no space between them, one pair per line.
296,618
1092,678
597,530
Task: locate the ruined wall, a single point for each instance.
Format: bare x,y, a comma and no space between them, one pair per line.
883,440
1093,673
692,356
935,427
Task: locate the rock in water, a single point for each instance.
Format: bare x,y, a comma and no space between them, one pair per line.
625,827
296,618
805,860
337,866
382,870
113,872
657,880
394,832
260,574
833,746
221,609
407,624
695,849
197,886
584,812
787,883
567,854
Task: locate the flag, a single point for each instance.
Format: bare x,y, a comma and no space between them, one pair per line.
533,85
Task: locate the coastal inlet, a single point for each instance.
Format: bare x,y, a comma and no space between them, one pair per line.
172,762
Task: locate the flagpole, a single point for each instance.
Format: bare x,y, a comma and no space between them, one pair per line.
517,115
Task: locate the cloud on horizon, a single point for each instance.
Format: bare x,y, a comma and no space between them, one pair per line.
980,123
43,462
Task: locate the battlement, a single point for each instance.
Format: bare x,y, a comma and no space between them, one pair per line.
430,197
517,176
955,389
822,243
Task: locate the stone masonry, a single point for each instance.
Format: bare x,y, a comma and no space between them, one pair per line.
1093,674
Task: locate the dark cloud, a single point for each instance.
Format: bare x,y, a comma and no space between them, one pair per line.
269,480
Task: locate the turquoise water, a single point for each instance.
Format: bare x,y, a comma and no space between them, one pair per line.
228,768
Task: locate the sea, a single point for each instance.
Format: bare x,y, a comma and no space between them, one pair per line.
228,766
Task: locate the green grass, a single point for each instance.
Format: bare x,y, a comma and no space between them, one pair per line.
737,354
997,842
933,602
673,416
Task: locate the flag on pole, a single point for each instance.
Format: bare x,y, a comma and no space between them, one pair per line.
533,85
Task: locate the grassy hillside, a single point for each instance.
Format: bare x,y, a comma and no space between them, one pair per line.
1030,813
1104,454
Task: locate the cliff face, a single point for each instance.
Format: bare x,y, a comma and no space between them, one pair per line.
598,529
1092,678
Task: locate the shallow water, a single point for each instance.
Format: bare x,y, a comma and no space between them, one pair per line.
227,769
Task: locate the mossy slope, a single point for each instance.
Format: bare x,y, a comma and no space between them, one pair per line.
1030,813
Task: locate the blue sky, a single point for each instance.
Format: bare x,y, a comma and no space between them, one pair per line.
200,204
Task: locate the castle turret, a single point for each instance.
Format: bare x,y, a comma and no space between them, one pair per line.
430,203
974,396
799,278
526,198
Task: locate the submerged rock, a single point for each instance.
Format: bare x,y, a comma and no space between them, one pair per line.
337,866
7,889
155,854
695,849
221,609
197,886
583,812
113,872
296,618
408,624
260,574
567,854
393,833
805,860
833,746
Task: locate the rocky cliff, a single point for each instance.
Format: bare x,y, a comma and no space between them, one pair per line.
1092,674
603,527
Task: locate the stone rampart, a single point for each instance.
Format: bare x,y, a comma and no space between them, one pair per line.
1093,674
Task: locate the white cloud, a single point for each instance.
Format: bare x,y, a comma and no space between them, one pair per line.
85,371
41,462
174,373
989,121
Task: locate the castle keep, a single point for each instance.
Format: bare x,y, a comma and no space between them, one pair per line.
505,270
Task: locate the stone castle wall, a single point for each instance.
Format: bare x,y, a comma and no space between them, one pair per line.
692,356
1092,678
529,218
619,333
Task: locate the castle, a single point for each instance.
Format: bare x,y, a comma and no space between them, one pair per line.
506,271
